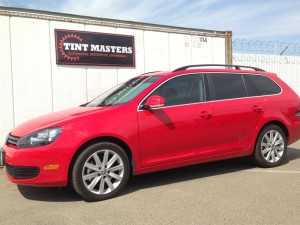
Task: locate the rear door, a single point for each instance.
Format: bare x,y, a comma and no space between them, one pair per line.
237,112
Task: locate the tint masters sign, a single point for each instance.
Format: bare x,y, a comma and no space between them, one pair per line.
89,48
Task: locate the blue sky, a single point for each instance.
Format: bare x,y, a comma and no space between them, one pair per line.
272,20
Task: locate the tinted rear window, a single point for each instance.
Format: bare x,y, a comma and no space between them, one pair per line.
264,85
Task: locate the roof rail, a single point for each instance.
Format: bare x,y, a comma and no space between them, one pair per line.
237,67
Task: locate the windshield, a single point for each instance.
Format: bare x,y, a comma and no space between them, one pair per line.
124,92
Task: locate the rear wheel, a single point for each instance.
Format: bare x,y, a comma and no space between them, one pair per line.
100,172
271,147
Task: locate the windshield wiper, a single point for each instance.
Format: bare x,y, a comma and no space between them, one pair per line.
84,105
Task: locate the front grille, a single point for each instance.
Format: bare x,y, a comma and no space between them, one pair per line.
22,172
12,140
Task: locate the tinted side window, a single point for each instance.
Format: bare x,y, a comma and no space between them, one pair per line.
227,86
265,85
182,90
251,89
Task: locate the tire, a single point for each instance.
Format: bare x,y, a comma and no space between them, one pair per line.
100,172
271,147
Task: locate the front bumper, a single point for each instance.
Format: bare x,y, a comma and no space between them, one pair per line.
39,166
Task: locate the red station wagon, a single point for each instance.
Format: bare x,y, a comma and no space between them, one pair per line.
156,121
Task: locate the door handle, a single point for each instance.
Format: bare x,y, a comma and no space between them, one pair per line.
257,108
205,115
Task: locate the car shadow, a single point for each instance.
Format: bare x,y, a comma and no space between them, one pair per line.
292,154
156,179
49,194
188,173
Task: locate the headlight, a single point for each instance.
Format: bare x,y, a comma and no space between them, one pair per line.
39,138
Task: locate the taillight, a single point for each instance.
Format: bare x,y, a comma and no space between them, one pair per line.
298,112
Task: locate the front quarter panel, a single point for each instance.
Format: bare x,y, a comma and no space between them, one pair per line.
118,121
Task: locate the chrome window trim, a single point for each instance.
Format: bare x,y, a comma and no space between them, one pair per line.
200,73
210,101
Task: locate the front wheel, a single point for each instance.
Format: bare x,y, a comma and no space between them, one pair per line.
100,172
271,147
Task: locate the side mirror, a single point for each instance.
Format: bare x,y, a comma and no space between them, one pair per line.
154,101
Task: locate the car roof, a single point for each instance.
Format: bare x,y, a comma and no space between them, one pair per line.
211,68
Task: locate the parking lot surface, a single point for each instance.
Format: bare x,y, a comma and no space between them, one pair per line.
226,192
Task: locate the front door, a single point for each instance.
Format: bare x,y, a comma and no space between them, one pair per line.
182,129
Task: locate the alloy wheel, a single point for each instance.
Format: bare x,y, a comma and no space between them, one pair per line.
103,172
272,146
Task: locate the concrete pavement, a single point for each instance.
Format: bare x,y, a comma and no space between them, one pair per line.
226,192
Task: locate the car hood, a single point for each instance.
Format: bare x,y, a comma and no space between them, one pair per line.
50,120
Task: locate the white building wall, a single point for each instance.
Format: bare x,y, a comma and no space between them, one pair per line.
31,67
32,84
7,121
